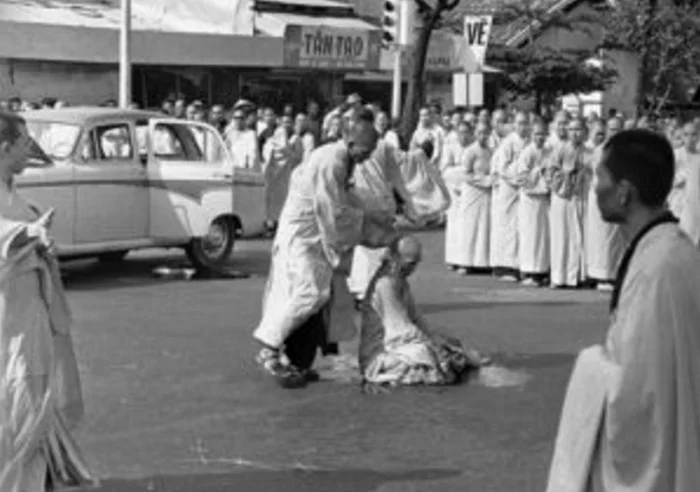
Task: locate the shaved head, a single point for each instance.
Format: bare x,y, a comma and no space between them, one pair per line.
361,138
405,253
408,247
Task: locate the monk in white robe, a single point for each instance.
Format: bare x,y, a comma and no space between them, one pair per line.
242,143
473,213
631,418
397,346
684,201
533,208
684,154
319,226
604,242
560,131
454,175
375,182
504,203
281,155
40,393
429,130
566,177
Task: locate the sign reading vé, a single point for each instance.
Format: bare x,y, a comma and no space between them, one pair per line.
477,30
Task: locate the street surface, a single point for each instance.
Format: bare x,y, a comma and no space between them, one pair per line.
174,401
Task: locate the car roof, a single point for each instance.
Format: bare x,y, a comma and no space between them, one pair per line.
81,115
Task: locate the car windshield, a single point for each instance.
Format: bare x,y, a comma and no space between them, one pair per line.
57,140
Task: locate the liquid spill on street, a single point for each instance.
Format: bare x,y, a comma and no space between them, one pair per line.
344,369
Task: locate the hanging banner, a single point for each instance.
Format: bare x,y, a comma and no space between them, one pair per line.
477,30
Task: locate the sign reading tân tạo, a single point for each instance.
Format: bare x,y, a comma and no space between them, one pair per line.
331,48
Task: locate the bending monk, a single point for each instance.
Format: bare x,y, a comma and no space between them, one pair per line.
396,346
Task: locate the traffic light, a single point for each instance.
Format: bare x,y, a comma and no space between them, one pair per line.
390,23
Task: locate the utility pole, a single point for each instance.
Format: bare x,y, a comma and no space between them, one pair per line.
125,55
396,85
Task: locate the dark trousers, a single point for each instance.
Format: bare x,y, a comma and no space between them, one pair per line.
303,343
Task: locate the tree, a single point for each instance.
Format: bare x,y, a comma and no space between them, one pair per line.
665,37
432,14
544,73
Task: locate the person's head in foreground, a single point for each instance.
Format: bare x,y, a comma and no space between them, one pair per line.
14,145
464,133
405,254
634,177
360,138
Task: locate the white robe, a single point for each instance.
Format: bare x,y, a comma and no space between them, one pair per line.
566,178
374,185
319,226
396,345
604,242
676,199
631,418
504,203
454,176
416,181
690,212
280,156
243,147
436,134
473,209
40,393
533,210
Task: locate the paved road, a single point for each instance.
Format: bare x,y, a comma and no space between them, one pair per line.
175,403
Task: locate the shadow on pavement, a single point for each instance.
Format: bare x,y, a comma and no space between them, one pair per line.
272,481
82,275
466,305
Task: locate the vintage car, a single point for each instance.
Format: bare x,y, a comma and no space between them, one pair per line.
122,180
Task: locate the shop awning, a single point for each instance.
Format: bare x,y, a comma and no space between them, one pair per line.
274,24
164,32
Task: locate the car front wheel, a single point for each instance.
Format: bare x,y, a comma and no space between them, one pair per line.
211,253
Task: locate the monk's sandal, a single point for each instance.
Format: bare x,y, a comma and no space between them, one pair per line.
286,376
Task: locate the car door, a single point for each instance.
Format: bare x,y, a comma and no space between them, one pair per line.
111,186
49,184
185,172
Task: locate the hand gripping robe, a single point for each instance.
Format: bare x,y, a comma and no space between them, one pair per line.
533,210
280,156
565,176
374,183
631,417
396,345
415,180
40,394
604,242
504,203
319,226
473,208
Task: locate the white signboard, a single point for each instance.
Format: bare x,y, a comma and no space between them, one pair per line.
459,89
468,89
476,89
477,30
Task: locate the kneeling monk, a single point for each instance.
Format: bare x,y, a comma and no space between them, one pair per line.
396,346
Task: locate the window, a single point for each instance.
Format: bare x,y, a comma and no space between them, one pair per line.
187,142
113,142
56,140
